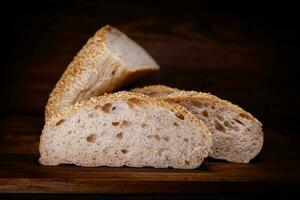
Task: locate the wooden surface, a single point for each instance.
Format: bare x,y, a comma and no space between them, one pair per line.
204,48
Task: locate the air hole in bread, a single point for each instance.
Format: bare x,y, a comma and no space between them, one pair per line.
157,137
125,123
205,113
120,135
227,124
175,124
91,138
113,108
160,151
149,136
143,125
213,107
186,140
219,126
69,132
124,151
78,121
219,117
179,115
167,139
244,116
187,162
115,123
91,115
197,104
113,72
60,122
106,107
238,121
93,158
134,101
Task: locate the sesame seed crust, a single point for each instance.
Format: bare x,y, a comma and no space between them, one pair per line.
90,61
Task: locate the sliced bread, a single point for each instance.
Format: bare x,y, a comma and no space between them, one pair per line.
125,129
106,62
237,135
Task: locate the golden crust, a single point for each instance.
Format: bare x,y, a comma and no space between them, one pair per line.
125,95
76,75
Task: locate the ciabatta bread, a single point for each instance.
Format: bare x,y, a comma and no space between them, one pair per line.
237,135
106,62
125,129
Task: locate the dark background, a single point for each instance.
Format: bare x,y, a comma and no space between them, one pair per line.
243,51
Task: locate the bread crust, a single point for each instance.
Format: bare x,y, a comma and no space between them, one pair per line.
76,77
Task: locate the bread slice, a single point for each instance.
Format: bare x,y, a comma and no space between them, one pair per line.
155,90
237,135
106,62
125,129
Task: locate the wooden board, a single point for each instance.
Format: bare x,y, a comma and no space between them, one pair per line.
276,168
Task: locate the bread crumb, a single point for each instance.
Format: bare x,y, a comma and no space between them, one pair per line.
125,123
167,139
219,126
120,135
106,107
205,113
143,125
157,137
124,151
134,101
115,123
91,138
60,122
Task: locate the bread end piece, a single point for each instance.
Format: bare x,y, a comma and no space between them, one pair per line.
108,61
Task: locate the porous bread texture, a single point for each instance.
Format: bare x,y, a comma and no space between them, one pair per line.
106,62
125,129
155,90
237,135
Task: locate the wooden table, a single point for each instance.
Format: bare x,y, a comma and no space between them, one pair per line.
198,50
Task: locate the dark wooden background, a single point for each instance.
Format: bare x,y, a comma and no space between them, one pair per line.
243,51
